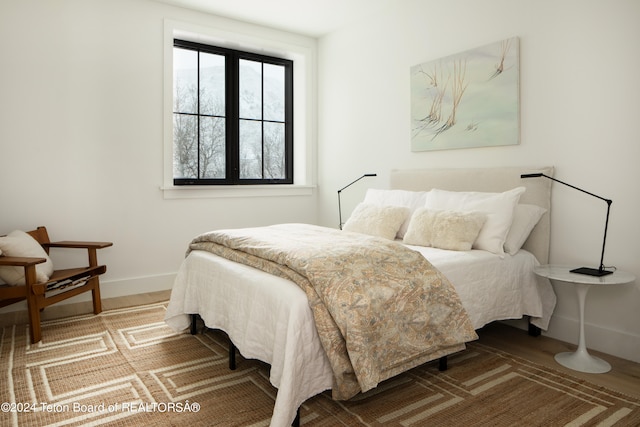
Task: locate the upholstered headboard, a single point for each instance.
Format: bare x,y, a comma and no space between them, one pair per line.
538,192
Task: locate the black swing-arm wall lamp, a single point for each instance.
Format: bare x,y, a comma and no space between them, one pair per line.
600,271
348,185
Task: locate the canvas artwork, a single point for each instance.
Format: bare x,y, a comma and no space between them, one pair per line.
470,99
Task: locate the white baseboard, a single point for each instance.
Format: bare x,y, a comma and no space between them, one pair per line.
137,285
114,288
610,341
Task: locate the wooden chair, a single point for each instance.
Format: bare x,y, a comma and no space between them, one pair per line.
61,285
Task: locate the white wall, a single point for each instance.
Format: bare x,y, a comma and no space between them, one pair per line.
81,136
580,98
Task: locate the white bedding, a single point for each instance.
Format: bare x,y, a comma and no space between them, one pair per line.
268,318
494,287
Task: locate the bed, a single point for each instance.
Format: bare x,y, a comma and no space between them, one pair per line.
268,317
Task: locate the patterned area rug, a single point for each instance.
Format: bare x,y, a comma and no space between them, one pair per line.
126,367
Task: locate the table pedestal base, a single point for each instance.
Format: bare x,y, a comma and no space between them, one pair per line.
582,361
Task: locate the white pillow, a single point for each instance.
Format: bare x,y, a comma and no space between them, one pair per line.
525,217
451,230
381,221
410,199
499,208
20,244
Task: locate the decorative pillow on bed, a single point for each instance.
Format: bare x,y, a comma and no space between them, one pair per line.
20,244
450,230
410,199
525,217
499,208
375,220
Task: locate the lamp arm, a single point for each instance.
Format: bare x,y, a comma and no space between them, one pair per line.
604,240
354,181
606,223
340,209
572,186
346,186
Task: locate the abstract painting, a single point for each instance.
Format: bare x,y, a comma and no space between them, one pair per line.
470,99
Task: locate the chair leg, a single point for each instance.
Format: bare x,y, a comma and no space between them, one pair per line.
34,320
33,306
95,292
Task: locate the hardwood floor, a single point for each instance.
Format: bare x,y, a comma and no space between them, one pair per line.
624,376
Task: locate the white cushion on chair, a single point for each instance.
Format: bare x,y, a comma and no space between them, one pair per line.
20,244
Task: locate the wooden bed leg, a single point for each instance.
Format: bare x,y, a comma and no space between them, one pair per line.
194,328
442,363
296,420
232,356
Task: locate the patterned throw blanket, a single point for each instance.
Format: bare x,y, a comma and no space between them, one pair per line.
380,308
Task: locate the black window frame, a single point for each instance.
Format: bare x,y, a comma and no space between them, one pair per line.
232,118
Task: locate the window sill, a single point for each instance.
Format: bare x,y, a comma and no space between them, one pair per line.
224,191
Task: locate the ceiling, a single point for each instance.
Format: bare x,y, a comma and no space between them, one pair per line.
313,18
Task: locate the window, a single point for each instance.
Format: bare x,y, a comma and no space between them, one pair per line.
232,116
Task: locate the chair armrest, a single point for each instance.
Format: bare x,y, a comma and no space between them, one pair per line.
91,248
20,261
81,245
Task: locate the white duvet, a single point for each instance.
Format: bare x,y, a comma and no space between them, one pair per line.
268,318
494,287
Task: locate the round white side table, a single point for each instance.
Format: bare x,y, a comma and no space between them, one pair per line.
581,360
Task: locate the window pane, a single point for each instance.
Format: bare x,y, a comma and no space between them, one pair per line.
185,146
212,84
274,92
250,89
274,151
250,149
185,81
212,147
